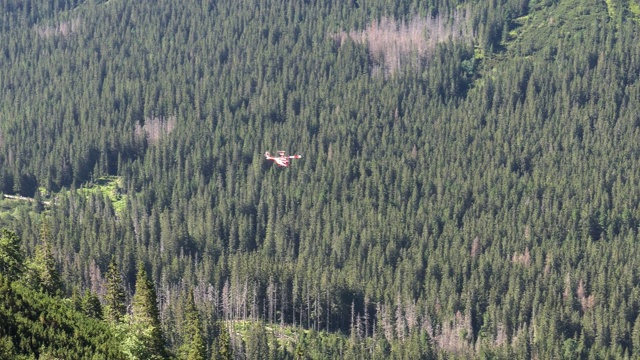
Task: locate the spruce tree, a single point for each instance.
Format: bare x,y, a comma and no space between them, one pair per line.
10,254
257,342
76,299
223,345
42,273
193,347
91,305
635,337
115,298
145,322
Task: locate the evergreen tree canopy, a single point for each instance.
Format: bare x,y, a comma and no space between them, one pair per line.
115,298
469,185
11,258
145,320
193,347
42,270
36,325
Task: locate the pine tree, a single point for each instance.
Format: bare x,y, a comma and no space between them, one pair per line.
91,305
42,273
7,349
193,347
145,321
76,299
115,298
635,337
224,351
10,254
257,343
300,351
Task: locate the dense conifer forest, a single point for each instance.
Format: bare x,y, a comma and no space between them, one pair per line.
469,186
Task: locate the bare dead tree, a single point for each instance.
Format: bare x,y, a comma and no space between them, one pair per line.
243,300
97,282
317,309
359,327
366,317
411,316
272,290
475,247
284,303
400,320
586,302
154,128
427,325
226,306
64,28
308,304
454,335
254,303
328,305
523,259
353,320
294,296
387,327
393,43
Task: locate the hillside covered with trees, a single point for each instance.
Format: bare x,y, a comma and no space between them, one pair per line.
469,186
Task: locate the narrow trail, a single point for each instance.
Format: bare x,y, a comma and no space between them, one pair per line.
18,197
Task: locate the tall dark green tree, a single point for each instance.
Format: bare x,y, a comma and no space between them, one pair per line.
222,349
91,305
146,339
256,342
11,257
42,270
193,345
115,299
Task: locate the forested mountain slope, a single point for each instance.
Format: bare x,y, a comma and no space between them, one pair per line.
469,182
34,324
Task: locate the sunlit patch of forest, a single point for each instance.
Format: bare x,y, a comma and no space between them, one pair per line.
469,185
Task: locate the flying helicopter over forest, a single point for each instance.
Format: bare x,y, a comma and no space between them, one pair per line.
281,159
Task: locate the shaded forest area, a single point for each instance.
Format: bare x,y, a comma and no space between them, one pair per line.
469,185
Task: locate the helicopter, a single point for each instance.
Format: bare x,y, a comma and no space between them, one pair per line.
281,159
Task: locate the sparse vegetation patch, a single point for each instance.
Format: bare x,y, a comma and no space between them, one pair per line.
393,44
63,28
155,127
111,187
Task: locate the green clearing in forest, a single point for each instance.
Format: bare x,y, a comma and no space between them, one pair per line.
9,211
546,26
110,187
290,339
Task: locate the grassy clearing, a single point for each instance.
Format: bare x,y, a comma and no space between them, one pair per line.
285,337
13,208
109,186
547,25
8,212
